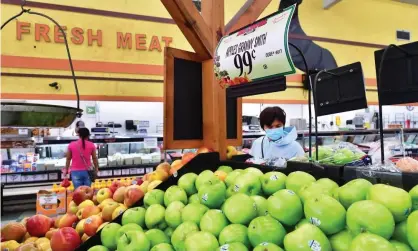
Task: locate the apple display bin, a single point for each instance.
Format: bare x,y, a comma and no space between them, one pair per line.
211,161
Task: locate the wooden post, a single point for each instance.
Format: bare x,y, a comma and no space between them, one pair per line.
203,31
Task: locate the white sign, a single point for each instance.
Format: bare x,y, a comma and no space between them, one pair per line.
48,199
256,52
23,131
117,172
13,178
150,143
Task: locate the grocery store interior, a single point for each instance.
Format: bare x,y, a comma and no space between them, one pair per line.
211,125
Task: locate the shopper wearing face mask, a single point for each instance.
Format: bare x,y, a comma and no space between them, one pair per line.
279,141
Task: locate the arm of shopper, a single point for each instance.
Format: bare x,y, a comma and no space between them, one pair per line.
95,161
68,161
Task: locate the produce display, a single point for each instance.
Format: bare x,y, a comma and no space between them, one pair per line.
245,209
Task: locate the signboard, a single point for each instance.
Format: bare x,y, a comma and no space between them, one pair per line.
91,110
255,52
150,143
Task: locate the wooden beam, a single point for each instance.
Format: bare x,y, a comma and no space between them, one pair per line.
191,23
249,13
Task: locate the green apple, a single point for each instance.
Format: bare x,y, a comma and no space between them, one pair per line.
230,191
232,176
155,196
193,212
341,241
302,222
169,232
98,248
213,221
204,177
254,171
326,213
400,246
187,182
247,183
395,199
307,237
173,214
240,209
414,196
296,180
368,241
226,169
335,193
261,204
133,241
205,241
234,246
285,206
126,228
212,195
156,236
194,198
134,215
179,235
107,235
370,216
266,246
400,232
412,230
234,233
312,190
154,217
353,191
266,229
272,182
327,183
162,247
175,193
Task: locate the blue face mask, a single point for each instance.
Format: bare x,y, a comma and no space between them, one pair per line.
275,134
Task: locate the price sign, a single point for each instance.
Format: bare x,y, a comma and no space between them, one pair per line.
150,143
117,172
133,171
23,131
13,178
125,171
53,176
255,52
3,179
28,178
141,171
149,169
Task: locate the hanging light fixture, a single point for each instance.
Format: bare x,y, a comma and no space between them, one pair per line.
15,114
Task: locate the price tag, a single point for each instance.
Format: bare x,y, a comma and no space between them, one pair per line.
28,178
52,176
141,170
13,178
125,171
108,172
150,143
23,131
48,199
255,52
3,179
149,169
117,172
133,171
100,173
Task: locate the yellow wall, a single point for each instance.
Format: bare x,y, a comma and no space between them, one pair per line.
369,21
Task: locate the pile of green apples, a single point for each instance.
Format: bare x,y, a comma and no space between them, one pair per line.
245,209
343,156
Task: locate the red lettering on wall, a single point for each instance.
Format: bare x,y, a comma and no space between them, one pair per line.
77,37
140,42
21,28
167,41
124,40
92,37
155,44
41,30
58,36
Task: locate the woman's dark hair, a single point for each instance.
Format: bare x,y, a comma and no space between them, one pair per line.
270,114
84,134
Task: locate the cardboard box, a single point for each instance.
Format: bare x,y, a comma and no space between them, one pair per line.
51,203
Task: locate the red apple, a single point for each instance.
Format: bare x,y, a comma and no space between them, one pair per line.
203,149
132,195
82,193
68,220
89,211
115,185
187,157
13,231
65,239
91,224
139,181
119,194
103,194
38,225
